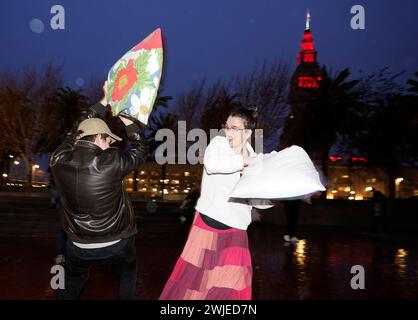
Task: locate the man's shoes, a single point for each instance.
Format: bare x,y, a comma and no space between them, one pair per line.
286,238
59,259
294,239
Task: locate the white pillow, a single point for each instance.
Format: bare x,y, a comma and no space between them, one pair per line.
288,174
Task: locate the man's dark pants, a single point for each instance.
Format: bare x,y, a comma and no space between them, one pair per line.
121,256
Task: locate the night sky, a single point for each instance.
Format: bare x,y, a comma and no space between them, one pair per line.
206,38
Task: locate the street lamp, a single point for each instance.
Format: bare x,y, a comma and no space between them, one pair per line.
397,186
34,167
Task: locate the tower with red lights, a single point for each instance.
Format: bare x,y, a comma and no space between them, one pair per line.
304,82
307,74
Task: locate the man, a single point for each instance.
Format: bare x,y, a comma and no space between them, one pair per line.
97,215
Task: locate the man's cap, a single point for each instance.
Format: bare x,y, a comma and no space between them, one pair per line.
93,126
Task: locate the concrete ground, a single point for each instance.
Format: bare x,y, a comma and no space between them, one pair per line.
317,267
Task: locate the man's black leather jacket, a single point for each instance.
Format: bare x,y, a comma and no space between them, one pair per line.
95,206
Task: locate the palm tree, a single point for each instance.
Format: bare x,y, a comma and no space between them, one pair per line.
59,117
329,111
217,113
155,123
390,135
160,120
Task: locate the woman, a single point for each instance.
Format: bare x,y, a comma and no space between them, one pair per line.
215,262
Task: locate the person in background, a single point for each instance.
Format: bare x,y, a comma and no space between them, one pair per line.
291,212
187,207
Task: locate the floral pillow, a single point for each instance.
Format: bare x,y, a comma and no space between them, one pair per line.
134,79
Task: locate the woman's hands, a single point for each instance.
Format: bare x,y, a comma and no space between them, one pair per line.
248,160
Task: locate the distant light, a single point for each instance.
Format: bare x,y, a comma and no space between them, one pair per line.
352,192
5,175
345,176
368,189
300,252
144,189
330,196
16,162
334,158
186,191
10,156
130,180
36,166
186,173
350,198
359,198
347,189
334,191
401,253
137,179
358,159
398,181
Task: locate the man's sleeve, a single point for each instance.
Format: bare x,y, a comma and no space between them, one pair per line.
137,153
67,145
97,110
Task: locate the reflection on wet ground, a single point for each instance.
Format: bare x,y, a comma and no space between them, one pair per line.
320,265
317,267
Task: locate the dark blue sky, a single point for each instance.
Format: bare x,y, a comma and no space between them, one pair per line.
212,38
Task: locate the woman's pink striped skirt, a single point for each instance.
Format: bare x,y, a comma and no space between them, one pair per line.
214,265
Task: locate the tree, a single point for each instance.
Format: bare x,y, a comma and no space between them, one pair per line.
391,135
59,117
216,114
22,98
192,104
266,86
160,120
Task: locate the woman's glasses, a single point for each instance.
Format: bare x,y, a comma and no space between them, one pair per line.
234,129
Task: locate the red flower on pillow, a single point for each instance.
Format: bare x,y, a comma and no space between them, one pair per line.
125,79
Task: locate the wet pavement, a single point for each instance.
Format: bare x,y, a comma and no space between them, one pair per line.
317,267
